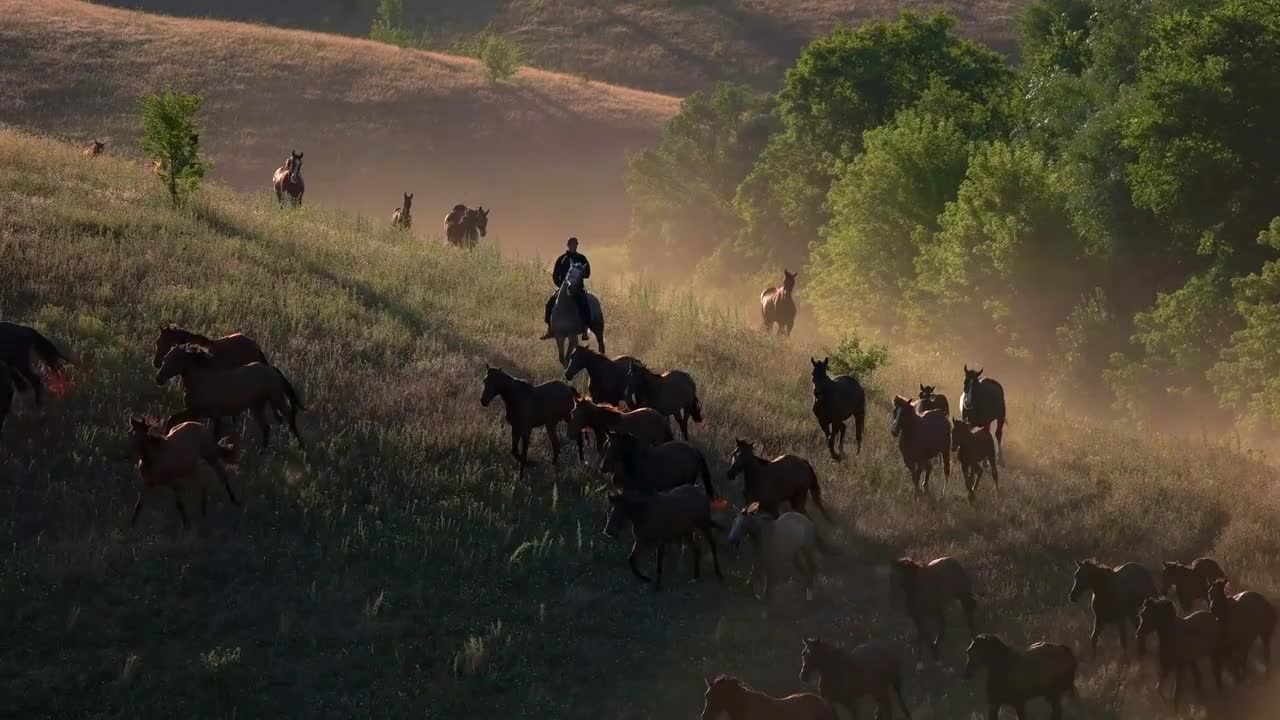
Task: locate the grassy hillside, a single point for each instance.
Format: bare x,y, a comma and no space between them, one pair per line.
373,120
674,46
399,570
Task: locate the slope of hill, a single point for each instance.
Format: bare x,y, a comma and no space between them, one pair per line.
546,152
400,570
674,46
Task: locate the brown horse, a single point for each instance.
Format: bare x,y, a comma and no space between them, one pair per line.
672,393
921,438
783,547
771,482
926,590
287,180
974,446
644,469
1245,617
463,226
17,344
844,677
1044,670
982,403
835,400
607,378
726,695
165,459
530,406
1183,641
676,514
930,400
212,392
229,351
1118,593
401,219
95,148
777,305
1192,581
646,425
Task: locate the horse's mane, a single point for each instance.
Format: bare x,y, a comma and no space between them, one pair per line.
726,677
1094,563
191,337
200,353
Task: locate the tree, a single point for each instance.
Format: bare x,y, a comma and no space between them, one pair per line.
500,55
388,26
171,137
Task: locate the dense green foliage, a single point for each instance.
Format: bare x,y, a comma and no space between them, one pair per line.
500,55
171,138
389,26
1090,217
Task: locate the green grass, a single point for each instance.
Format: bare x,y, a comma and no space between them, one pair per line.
401,571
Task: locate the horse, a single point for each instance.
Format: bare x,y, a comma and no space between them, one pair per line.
606,378
1192,581
1245,617
17,343
982,403
1118,593
660,518
1183,641
726,695
777,305
672,393
783,547
835,400
770,482
401,219
846,676
646,469
213,392
530,406
463,226
95,148
925,592
921,438
930,400
229,351
163,459
7,391
287,180
566,319
974,446
648,426
1043,670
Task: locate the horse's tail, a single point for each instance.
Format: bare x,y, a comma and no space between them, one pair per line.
816,492
49,353
897,691
704,470
695,409
294,400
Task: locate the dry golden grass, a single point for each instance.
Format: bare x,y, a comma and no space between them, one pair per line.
545,151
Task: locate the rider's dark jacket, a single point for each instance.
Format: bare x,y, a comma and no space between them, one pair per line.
565,261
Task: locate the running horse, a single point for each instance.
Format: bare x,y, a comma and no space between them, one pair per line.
463,226
288,180
777,305
566,322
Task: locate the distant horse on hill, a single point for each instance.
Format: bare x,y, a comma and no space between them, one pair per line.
288,180
777,305
401,218
463,226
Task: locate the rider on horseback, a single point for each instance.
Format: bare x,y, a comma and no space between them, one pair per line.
563,263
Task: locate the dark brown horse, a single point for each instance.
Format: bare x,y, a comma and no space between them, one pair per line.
672,393
786,478
167,459
17,344
647,425
1245,617
982,403
1183,642
727,696
931,400
1192,581
1118,593
777,305
401,218
607,378
644,469
287,180
1044,670
680,513
530,406
926,590
463,226
844,677
214,393
95,148
921,438
229,351
974,447
835,400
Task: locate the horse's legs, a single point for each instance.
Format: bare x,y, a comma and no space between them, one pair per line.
995,475
279,197
1020,710
1000,439
711,543
941,619
662,546
260,417
137,509
515,444
1216,665
682,419
1124,635
1093,635
841,428
631,560
582,453
221,470
829,432
554,437
33,380
525,436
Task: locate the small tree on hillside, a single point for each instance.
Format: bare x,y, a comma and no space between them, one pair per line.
171,137
500,55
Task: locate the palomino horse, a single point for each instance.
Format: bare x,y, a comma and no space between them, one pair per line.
401,218
1044,670
165,459
727,696
844,677
777,305
95,148
982,403
17,343
464,227
566,321
288,180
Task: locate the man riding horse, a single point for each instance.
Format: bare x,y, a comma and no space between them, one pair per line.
570,258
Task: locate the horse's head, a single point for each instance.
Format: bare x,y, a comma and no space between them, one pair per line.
971,379
1171,574
926,391
743,453
813,658
744,524
617,449
1217,594
722,693
574,278
901,407
903,574
180,359
984,651
408,202
96,147
819,369
494,380
143,430
581,414
577,360
788,280
294,165
166,340
477,218
1155,613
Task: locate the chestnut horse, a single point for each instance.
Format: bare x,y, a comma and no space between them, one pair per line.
777,305
165,459
288,180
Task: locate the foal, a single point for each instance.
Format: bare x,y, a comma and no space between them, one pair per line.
921,438
677,514
164,459
401,218
647,425
1183,641
1118,593
727,695
228,351
973,447
1192,581
530,406
846,676
926,591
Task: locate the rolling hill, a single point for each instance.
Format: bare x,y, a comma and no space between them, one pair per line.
673,46
546,151
399,569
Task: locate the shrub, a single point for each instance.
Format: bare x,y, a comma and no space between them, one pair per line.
849,357
500,55
388,27
171,138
